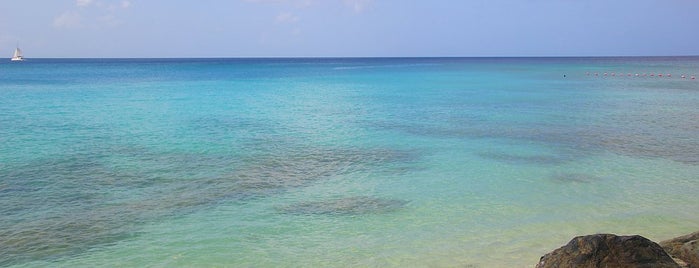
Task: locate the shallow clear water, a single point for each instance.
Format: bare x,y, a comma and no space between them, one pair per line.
439,162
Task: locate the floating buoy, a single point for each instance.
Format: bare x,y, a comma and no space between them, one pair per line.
669,75
694,77
636,75
628,74
605,74
596,74
660,75
683,76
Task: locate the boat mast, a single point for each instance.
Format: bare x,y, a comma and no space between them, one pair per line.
17,56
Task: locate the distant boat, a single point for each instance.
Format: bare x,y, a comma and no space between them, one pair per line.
18,55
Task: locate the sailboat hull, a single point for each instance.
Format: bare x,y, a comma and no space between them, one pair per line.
18,55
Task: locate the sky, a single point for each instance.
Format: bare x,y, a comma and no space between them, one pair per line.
348,28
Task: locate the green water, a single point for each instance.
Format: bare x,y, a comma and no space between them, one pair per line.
340,162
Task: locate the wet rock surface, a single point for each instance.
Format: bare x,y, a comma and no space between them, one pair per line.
608,250
685,248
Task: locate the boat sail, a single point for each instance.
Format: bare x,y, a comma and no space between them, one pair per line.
18,55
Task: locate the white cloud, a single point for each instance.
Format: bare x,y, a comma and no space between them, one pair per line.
68,19
287,17
92,14
355,5
83,3
358,5
304,3
297,3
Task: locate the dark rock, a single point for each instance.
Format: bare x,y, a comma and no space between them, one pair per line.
608,250
685,248
690,253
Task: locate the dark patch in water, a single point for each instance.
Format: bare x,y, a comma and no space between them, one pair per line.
59,207
65,233
638,132
524,159
346,206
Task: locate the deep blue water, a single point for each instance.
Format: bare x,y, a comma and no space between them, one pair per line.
440,162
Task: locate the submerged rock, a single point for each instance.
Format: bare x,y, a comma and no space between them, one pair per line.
57,208
608,250
685,248
346,206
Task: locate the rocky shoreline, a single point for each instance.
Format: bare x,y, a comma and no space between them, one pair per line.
609,250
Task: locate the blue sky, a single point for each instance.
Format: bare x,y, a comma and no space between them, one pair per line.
349,28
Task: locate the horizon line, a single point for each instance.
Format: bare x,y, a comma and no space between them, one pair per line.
375,57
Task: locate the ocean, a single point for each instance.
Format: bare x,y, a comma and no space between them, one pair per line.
340,162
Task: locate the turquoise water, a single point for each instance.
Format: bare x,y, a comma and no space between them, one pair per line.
422,162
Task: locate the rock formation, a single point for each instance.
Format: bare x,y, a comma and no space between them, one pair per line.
608,250
684,248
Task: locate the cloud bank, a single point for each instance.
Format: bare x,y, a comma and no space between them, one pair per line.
91,14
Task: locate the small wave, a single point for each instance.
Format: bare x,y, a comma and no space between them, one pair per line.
524,159
574,178
385,66
346,206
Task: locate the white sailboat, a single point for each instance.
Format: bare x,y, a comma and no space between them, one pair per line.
18,55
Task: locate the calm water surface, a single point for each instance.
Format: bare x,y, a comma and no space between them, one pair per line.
439,162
